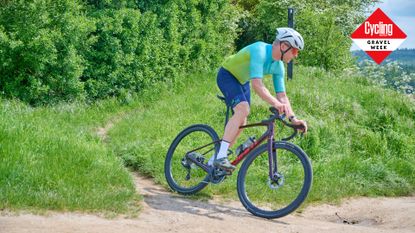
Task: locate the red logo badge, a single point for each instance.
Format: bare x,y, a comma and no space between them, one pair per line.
378,36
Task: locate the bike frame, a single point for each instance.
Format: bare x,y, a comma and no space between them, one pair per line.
196,159
268,135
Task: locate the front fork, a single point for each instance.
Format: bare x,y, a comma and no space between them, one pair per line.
272,157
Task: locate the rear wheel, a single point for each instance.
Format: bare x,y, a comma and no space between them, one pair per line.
279,196
181,174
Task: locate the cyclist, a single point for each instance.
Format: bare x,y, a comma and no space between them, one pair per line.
250,64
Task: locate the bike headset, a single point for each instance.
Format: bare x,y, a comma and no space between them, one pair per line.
294,39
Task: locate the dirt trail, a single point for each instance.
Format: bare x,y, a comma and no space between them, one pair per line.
167,212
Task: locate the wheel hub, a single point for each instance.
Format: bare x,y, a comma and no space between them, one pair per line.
277,181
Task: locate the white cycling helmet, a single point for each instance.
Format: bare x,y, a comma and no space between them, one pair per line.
291,36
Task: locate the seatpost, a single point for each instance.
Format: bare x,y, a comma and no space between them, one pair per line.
227,116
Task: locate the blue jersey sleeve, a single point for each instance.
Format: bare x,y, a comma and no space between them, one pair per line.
278,78
257,60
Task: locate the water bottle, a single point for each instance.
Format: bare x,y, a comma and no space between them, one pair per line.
241,148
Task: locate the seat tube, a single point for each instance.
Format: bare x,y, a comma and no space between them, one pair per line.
227,115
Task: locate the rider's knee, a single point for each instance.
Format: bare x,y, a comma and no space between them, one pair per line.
242,109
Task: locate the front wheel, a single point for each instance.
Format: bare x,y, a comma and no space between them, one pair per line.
281,195
199,141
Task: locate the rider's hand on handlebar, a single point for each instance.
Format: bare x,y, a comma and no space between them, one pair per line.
296,121
282,108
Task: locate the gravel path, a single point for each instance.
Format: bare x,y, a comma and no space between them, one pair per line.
167,212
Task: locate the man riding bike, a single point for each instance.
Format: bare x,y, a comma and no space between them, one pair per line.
250,64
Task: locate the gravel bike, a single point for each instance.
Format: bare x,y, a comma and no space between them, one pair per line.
273,181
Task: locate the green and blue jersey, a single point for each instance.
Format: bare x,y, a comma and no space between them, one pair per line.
255,61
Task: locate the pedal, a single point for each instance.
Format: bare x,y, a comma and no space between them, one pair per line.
223,172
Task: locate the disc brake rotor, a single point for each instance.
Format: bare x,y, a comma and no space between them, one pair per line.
277,181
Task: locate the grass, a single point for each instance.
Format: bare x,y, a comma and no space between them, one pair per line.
361,142
52,158
361,139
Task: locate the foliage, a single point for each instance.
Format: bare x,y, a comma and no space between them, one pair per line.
326,26
198,33
405,57
389,75
327,46
65,50
40,45
124,56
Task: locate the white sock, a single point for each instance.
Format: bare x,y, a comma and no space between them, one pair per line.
223,152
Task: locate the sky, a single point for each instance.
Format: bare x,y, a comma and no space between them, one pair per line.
402,12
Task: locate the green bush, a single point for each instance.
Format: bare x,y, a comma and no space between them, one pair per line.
65,50
198,33
40,44
124,53
324,40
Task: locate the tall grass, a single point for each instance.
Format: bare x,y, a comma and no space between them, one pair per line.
361,139
52,158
